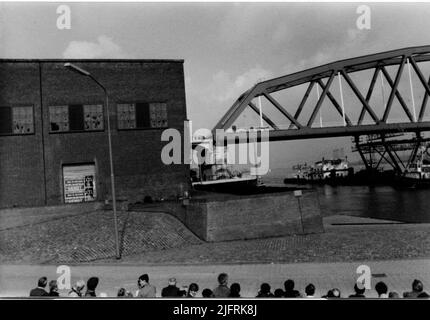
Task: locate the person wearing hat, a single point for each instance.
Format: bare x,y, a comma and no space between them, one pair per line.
172,290
77,290
40,290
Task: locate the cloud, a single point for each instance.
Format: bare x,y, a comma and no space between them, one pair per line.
227,87
351,41
103,48
280,34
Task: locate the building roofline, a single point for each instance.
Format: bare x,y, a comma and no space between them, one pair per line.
93,60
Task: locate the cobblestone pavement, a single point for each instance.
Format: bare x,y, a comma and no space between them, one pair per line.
158,238
88,237
339,244
17,280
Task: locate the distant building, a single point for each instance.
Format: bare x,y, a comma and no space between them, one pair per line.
53,138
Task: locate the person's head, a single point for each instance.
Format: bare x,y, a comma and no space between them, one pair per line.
265,288
172,282
143,280
278,293
53,285
335,292
310,289
207,293
42,282
235,288
289,285
359,290
121,292
417,286
92,283
193,289
381,288
329,294
80,285
223,279
393,295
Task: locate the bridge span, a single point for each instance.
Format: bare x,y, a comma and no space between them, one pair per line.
322,78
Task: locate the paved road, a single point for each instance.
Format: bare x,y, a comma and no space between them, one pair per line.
17,280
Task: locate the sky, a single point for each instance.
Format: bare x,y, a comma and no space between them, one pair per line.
227,47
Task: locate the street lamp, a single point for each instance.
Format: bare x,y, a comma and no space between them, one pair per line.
112,178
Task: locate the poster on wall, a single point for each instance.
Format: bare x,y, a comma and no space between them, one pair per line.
79,183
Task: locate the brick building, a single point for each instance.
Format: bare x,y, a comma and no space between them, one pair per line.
53,137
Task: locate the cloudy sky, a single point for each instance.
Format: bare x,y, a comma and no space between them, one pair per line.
227,47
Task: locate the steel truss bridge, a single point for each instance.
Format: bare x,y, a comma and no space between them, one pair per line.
323,77
383,148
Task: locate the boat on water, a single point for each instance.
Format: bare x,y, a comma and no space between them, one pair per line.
320,171
417,174
211,170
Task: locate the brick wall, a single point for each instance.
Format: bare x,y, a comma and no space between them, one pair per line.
21,157
139,170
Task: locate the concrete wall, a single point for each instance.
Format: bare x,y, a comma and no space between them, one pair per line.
256,216
31,165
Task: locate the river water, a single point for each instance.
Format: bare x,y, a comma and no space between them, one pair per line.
382,202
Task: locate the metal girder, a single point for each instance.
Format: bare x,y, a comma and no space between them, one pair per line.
302,129
359,149
321,99
357,92
395,92
424,105
335,103
282,110
303,102
265,118
331,132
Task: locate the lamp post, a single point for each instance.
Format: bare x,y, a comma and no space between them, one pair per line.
112,177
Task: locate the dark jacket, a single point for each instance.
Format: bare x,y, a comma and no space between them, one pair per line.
292,294
411,294
172,291
222,291
38,292
265,295
90,293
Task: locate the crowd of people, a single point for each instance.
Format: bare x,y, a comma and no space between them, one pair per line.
146,290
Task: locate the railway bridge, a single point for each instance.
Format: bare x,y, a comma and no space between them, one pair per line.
394,100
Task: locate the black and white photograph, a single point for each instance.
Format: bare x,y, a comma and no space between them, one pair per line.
218,151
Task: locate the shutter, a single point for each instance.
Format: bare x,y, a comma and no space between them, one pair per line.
76,117
142,115
5,120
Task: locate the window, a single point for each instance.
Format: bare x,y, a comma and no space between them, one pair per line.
142,115
76,117
16,120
